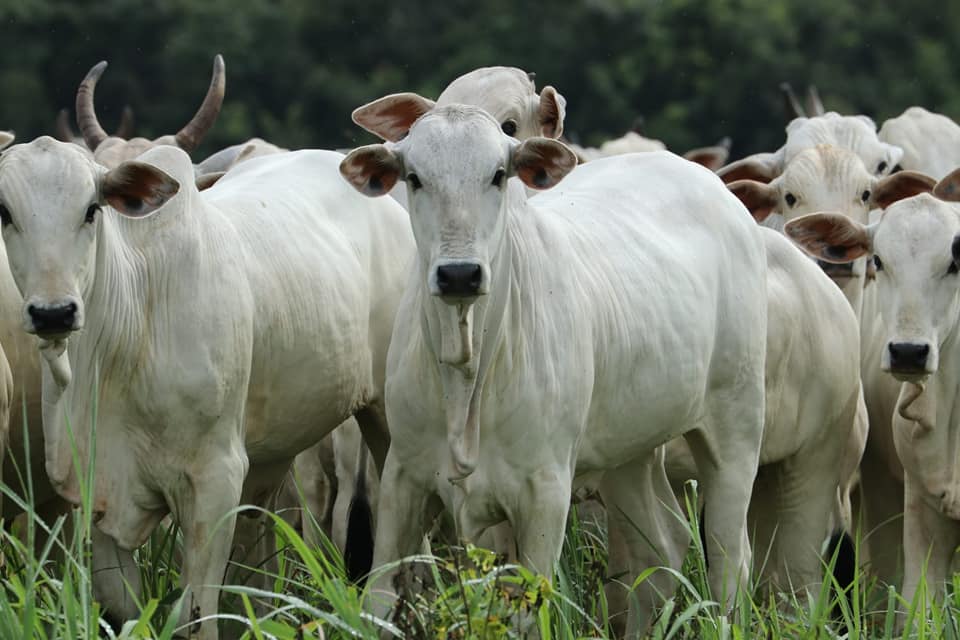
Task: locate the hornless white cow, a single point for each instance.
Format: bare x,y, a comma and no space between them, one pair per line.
856,133
916,245
571,333
930,141
219,336
828,178
811,442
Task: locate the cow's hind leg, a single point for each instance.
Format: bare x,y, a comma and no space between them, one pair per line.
726,450
646,528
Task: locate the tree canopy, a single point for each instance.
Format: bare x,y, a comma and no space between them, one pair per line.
696,70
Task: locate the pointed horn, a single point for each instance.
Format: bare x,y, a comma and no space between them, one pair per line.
814,104
125,128
190,136
793,107
93,133
64,130
531,75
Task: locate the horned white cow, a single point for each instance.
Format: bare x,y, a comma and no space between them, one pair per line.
812,441
633,142
856,133
930,141
574,332
916,245
829,178
218,337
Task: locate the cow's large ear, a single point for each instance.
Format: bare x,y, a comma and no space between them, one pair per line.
761,167
391,116
710,157
898,186
6,137
760,199
553,109
137,189
542,162
832,237
949,187
373,170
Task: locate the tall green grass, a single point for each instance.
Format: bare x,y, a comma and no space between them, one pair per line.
460,592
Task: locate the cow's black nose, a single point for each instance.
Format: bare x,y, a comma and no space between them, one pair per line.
908,356
459,280
53,320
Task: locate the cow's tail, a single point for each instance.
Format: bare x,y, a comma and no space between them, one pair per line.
358,554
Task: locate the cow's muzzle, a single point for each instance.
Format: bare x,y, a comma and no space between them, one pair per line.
909,360
53,321
459,281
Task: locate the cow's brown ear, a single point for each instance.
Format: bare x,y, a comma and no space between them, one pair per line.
553,108
373,170
540,163
760,167
900,185
392,116
137,189
760,199
832,237
710,157
949,187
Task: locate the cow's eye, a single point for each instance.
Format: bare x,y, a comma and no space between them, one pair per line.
865,196
91,213
952,269
896,168
498,178
5,218
509,127
881,167
790,199
878,263
414,181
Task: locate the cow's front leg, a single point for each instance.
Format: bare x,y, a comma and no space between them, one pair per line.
540,519
929,541
205,503
405,511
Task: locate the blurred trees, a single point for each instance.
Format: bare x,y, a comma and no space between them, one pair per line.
697,70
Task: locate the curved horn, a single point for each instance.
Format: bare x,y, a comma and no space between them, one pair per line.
65,132
93,133
791,104
125,128
190,136
813,101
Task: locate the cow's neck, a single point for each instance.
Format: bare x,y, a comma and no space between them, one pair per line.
483,328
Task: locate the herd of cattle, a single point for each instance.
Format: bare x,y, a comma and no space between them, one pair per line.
519,320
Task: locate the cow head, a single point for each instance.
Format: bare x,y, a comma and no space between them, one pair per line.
53,197
456,161
916,247
826,178
110,151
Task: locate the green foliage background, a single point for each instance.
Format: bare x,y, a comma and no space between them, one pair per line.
697,70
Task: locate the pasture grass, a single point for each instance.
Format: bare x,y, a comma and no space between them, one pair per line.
46,592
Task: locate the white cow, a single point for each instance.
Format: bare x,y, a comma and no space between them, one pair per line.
218,337
572,333
916,244
829,178
930,141
811,440
633,142
856,133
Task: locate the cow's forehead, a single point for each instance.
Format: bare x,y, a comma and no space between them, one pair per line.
826,166
918,227
491,88
456,140
46,167
850,132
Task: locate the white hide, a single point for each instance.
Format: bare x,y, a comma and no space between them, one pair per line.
222,334
930,141
919,303
622,308
811,443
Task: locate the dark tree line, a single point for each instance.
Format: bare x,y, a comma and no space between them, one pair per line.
696,70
